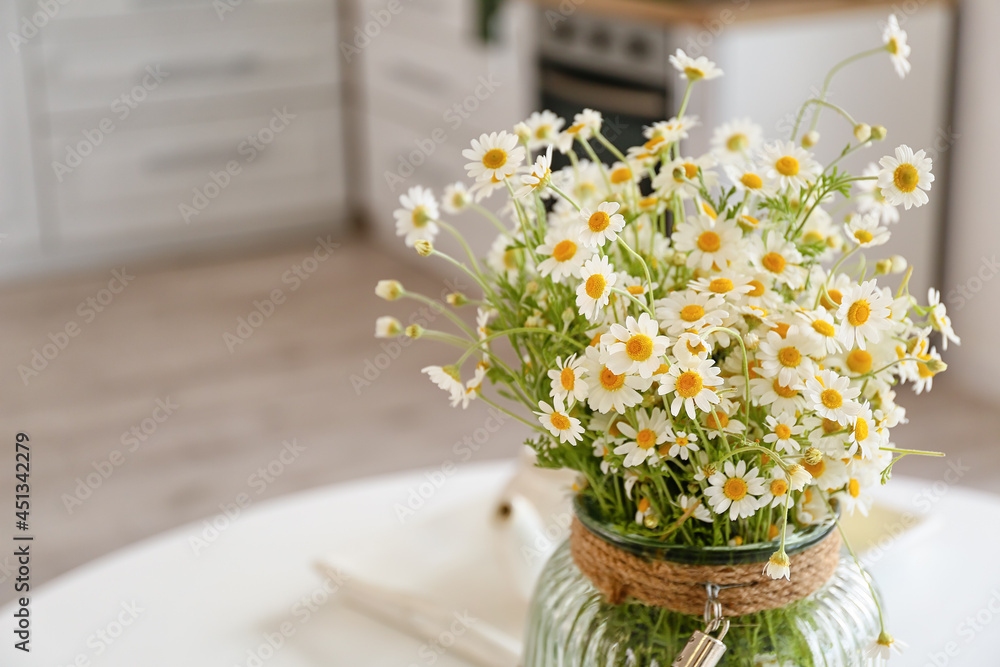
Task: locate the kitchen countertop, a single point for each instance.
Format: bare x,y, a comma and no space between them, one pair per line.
703,12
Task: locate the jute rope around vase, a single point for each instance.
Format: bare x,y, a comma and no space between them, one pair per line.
679,587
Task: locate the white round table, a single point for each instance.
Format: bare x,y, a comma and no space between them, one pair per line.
251,597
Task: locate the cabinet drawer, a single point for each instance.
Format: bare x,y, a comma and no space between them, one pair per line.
219,10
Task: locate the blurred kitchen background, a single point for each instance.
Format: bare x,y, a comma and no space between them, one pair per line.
196,201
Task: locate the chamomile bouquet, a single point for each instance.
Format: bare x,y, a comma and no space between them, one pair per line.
704,338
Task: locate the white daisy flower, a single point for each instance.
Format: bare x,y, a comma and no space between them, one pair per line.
635,348
884,646
832,397
749,180
798,476
894,39
594,292
680,176
456,198
472,388
694,69
504,257
925,370
611,391
690,347
691,383
694,508
388,327
776,489
866,231
558,423
865,436
564,256
540,176
903,179
735,488
783,431
584,125
651,431
788,357
939,318
543,128
863,314
829,473
415,220
601,451
778,566
730,285
568,380
447,378
871,199
601,225
781,260
781,398
680,444
494,156
719,421
644,509
710,244
789,166
824,328
690,311
735,141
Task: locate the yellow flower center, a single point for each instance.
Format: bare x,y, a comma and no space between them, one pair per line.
510,258
639,347
647,202
595,286
567,378
735,488
782,328
620,175
419,217
782,431
575,129
751,181
749,220
737,142
858,313
789,357
758,288
783,391
709,241
830,426
923,370
644,505
599,221
815,470
635,290
542,131
564,251
610,381
690,171
854,488
693,73
787,166
773,262
495,158
863,236
559,420
717,420
812,236
681,441
861,429
831,398
692,312
893,46
721,285
779,487
859,361
823,328
645,438
905,178
653,143
689,384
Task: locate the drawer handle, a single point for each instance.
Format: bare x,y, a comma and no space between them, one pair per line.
243,65
213,158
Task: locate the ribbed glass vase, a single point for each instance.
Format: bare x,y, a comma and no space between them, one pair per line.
571,623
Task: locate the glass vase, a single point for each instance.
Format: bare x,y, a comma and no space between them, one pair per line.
571,623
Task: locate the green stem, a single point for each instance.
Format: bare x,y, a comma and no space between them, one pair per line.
564,196
511,414
826,86
508,332
486,213
444,311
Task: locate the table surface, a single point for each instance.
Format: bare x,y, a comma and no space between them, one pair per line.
196,598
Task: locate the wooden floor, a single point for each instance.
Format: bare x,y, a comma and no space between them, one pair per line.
299,376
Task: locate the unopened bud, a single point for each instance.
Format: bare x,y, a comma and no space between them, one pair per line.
810,139
879,132
414,331
390,290
751,340
651,522
531,287
862,132
812,456
523,132
568,315
423,248
678,259
936,366
388,327
883,267
456,299
899,263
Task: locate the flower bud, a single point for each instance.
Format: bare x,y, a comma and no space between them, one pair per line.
810,139
936,366
568,315
388,327
751,340
651,522
523,133
678,259
456,299
879,132
423,248
883,267
812,456
531,287
899,263
390,290
415,331
862,132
